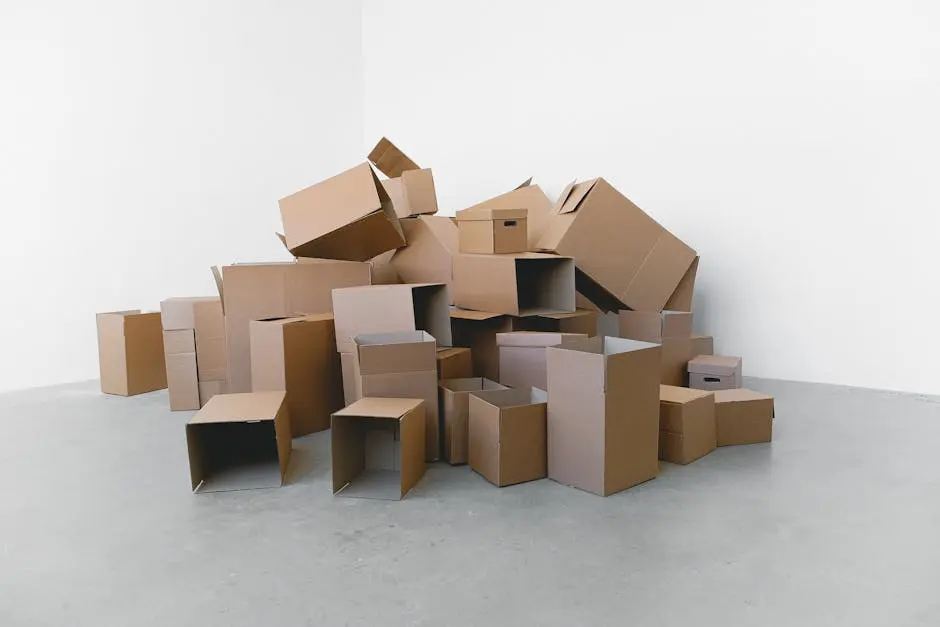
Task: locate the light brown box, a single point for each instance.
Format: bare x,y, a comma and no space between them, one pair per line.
529,197
522,284
179,346
654,326
348,216
454,363
130,352
390,309
378,448
603,413
297,355
702,345
271,290
410,187
210,340
208,389
676,353
429,256
714,372
180,312
581,321
681,299
382,270
625,259
350,384
522,357
686,424
239,442
455,412
507,435
743,417
492,231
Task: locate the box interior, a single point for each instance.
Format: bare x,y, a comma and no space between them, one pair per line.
236,455
432,312
541,285
376,449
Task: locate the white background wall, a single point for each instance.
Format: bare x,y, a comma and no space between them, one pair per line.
794,145
142,142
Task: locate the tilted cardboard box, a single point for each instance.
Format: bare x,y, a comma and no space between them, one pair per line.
179,346
686,424
715,372
529,197
507,435
454,363
429,256
522,357
130,352
492,231
455,399
743,417
522,284
410,188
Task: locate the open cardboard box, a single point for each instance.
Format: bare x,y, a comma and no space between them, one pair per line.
410,188
455,409
507,435
522,284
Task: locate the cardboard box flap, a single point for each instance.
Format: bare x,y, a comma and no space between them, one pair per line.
408,351
539,396
470,384
217,276
390,160
490,214
740,395
572,196
514,397
525,183
244,407
538,339
469,314
444,230
680,396
714,364
376,407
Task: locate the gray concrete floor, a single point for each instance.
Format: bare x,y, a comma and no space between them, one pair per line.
836,523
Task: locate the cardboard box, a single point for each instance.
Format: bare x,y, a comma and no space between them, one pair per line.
702,345
507,435
603,413
179,346
130,352
348,216
239,442
410,187
522,357
297,355
272,290
390,309
382,270
623,255
529,197
686,424
350,384
714,372
676,353
211,360
454,363
654,326
208,389
180,312
429,256
455,412
681,299
581,321
492,231
378,448
522,284
743,417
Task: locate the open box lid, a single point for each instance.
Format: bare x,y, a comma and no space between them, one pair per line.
390,160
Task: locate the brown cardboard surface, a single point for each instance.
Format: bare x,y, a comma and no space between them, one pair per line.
428,258
581,321
130,352
507,435
715,372
454,363
454,401
702,345
654,326
522,284
489,231
239,442
382,270
180,312
529,197
390,160
686,424
676,352
522,357
410,188
179,348
208,389
743,417
681,299
210,340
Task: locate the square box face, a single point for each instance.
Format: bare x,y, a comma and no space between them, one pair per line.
507,435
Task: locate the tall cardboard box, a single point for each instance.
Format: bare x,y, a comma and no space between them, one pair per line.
378,448
522,357
743,417
455,409
429,256
210,341
686,424
507,435
492,231
239,442
625,259
179,348
297,355
130,352
410,188
522,284
348,216
529,197
582,321
603,413
454,363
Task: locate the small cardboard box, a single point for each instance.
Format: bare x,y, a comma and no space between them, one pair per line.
378,448
655,326
348,216
743,417
681,299
130,352
492,231
522,284
179,346
529,197
429,256
522,357
391,309
702,345
210,340
410,188
603,413
686,424
714,372
239,442
507,435
454,363
455,398
297,355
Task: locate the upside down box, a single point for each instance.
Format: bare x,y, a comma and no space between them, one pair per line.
522,284
130,352
455,399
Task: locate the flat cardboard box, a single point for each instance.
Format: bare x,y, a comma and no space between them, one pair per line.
410,188
211,361
297,355
208,389
455,412
654,326
180,312
531,198
507,435
702,345
130,352
429,256
522,284
715,372
686,424
348,216
522,357
272,290
603,413
492,231
743,417
378,448
681,299
239,442
624,257
179,346
390,309
454,363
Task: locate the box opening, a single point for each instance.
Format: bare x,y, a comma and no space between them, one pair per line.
432,304
540,285
237,456
378,449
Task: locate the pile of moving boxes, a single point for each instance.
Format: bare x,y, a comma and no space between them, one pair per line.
523,338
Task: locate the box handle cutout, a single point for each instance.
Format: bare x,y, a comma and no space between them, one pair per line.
509,223
712,380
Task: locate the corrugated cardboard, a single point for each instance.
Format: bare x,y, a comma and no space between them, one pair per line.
410,188
682,296
522,284
654,326
348,216
715,372
455,399
677,351
429,256
382,270
208,389
531,198
454,363
390,309
179,346
507,435
272,290
297,355
491,231
702,345
622,254
378,448
210,341
603,413
522,357
130,352
180,312
686,424
743,417
239,442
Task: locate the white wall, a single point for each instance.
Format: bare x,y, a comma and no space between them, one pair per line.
141,143
794,145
